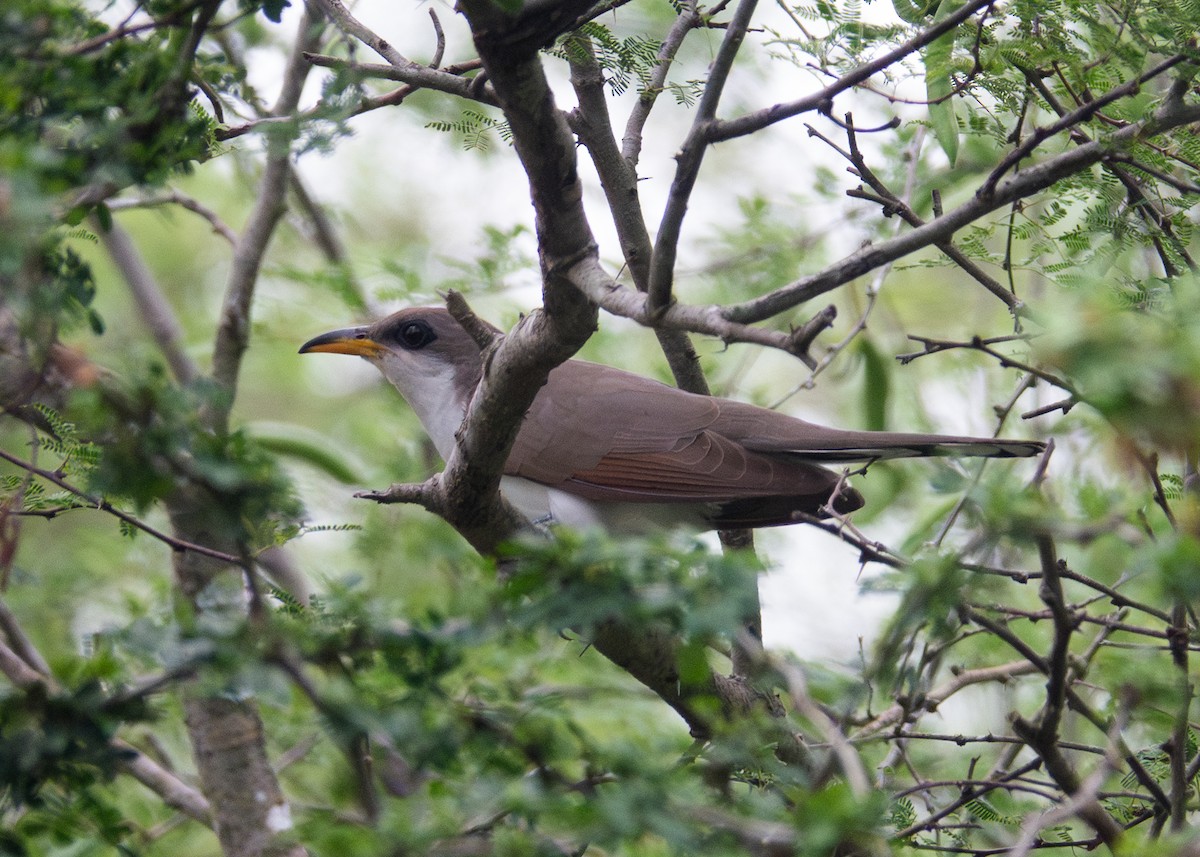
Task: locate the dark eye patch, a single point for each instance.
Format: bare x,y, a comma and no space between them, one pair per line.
415,334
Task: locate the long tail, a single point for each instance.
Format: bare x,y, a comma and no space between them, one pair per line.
849,446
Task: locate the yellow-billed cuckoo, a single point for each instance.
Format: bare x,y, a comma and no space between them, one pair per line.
601,446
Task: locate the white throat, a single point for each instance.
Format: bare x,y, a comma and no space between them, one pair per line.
434,397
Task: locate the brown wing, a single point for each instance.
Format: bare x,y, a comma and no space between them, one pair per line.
610,435
587,412
634,440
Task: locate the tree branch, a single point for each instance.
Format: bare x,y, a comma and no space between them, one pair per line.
24,672
687,20
176,544
893,204
618,178
347,23
688,159
153,306
233,331
1031,180
823,99
175,197
449,80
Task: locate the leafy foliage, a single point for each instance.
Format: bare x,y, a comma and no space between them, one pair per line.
623,60
1037,667
474,129
81,109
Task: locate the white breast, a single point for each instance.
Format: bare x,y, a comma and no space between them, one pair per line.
546,506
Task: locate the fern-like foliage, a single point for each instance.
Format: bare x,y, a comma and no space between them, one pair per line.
623,60
985,811
903,814
474,130
75,455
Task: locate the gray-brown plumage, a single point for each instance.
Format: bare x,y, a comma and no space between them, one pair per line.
604,446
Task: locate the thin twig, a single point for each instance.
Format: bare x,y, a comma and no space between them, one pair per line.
347,23
685,22
1076,117
688,160
104,506
233,329
176,197
822,99
174,792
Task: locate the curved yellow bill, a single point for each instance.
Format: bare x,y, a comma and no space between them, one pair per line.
348,340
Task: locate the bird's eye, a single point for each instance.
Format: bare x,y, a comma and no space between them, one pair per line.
413,335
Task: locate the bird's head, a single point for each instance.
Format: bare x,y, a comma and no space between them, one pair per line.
425,354
411,342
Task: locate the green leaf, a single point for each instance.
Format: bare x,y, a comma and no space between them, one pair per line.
307,446
939,87
910,11
104,217
876,385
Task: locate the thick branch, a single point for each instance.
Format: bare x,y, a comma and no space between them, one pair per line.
518,367
618,177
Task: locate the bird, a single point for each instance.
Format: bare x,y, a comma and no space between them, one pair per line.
602,447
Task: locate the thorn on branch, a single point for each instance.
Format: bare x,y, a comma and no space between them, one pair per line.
891,124
440,50
421,493
1064,405
802,337
484,333
887,209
